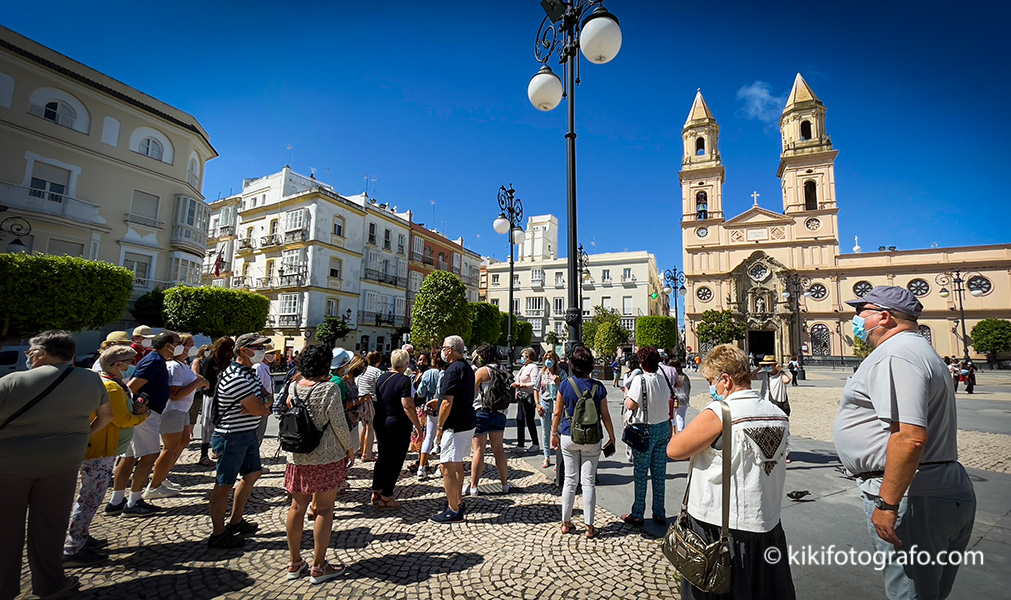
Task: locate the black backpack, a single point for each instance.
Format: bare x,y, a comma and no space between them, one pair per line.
500,394
297,431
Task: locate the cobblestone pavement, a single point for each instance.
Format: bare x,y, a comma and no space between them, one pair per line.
509,547
813,411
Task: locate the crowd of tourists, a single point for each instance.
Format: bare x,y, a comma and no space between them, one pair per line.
131,419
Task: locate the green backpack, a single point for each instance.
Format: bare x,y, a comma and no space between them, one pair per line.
585,426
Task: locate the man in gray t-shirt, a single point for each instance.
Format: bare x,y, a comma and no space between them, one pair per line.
897,431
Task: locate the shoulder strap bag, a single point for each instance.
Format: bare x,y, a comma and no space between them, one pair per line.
705,565
38,398
673,397
636,435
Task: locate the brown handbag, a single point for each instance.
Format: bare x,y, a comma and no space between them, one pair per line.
705,565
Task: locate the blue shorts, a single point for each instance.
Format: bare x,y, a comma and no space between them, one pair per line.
487,421
238,454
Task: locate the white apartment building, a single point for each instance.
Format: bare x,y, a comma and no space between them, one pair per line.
98,169
314,253
625,281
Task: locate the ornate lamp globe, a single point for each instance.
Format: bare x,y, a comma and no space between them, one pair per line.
944,293
977,293
518,236
667,289
682,290
545,89
600,39
501,225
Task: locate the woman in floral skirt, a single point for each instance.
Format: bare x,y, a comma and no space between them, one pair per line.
316,476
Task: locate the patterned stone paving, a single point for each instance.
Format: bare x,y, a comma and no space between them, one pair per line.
509,547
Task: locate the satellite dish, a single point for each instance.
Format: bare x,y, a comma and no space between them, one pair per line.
308,334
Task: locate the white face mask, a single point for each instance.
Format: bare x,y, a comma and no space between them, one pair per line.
180,350
145,343
445,356
193,351
258,356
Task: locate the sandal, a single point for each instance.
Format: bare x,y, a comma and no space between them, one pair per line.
591,532
545,464
567,526
326,572
633,520
376,497
388,503
296,570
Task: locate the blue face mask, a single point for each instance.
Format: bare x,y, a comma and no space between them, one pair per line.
28,363
858,329
129,372
549,363
768,369
523,360
716,396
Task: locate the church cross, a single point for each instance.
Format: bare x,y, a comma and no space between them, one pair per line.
755,196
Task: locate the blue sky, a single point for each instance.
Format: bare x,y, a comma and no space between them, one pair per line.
430,100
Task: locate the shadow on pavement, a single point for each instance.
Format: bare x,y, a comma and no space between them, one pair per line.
413,567
201,583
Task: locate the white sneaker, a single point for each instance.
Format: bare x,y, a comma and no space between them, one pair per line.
422,473
471,491
159,492
506,487
172,485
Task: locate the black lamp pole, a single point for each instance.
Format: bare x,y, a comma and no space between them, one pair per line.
560,30
675,285
956,279
796,286
511,209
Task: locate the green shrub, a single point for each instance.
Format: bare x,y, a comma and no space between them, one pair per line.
43,292
658,331
215,311
440,310
331,330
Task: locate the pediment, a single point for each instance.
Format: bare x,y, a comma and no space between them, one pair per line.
757,215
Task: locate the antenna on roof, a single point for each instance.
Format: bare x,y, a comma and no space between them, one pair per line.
289,156
367,179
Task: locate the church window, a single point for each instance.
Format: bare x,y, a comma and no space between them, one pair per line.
810,195
918,287
701,206
805,130
818,291
704,294
861,288
979,284
700,146
821,340
924,332
758,272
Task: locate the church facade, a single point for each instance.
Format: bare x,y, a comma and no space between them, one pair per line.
783,275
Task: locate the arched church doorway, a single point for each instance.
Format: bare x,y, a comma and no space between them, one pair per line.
762,342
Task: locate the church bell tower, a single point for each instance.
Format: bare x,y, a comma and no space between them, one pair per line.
702,172
806,166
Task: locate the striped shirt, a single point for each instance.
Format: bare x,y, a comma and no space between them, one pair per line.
235,384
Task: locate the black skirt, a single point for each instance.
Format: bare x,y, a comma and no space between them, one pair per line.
752,576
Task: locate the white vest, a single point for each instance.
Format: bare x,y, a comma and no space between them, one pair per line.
760,434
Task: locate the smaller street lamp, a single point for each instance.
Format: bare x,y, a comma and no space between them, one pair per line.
957,279
508,221
18,228
796,286
675,279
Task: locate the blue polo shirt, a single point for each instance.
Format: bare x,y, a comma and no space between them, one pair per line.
154,369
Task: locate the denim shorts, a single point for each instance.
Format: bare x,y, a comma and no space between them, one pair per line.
489,421
238,454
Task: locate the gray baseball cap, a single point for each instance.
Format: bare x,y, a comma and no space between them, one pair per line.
893,297
251,339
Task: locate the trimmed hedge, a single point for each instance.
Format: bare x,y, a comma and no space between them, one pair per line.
43,292
440,310
215,311
484,324
657,331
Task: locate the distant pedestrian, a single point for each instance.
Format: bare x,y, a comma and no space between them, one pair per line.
526,411
794,368
647,401
143,337
396,417
774,382
219,357
616,371
44,429
545,394
969,371
428,391
956,373
367,388
314,477
456,426
896,430
683,391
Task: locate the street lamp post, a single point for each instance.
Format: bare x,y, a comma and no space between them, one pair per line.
508,221
796,286
675,285
584,273
566,31
956,279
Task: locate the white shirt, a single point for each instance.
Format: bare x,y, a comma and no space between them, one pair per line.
263,374
760,434
773,388
657,399
181,375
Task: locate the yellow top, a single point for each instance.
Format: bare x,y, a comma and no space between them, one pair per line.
105,441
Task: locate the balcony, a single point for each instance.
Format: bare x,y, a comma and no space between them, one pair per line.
470,280
224,267
368,317
144,221
293,237
240,282
559,283
442,266
268,241
608,281
428,260
400,251
226,230
48,203
534,312
246,245
142,285
390,278
291,280
628,323
189,239
387,245
417,256
264,283
455,270
628,279
411,295
537,281
290,321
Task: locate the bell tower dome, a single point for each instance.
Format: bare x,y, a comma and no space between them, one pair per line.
806,166
702,172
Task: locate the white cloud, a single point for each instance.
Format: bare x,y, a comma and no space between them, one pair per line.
759,103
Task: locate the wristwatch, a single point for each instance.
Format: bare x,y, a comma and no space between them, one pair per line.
882,505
